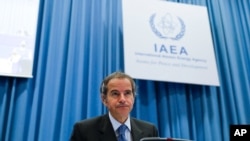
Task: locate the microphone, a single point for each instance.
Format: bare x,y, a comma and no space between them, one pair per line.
162,139
177,139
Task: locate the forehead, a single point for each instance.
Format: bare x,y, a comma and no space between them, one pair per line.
119,83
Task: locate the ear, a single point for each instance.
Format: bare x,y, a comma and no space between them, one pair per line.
104,99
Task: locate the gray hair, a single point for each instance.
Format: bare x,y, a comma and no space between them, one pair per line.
104,88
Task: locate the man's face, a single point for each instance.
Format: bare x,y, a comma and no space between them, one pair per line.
120,98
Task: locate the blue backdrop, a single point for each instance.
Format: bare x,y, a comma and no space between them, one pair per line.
79,42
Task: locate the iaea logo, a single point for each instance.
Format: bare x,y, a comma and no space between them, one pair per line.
167,26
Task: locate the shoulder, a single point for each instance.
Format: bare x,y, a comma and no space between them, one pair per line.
89,129
143,123
91,121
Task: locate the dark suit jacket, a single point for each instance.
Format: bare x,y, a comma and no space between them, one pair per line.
100,129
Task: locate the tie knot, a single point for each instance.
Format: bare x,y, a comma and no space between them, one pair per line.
121,129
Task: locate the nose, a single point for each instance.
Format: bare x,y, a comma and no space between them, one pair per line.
122,98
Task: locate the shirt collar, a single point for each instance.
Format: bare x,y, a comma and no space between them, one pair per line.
116,124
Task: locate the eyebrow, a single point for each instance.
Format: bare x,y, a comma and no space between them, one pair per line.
119,91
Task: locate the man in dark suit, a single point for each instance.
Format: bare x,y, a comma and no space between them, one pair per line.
118,95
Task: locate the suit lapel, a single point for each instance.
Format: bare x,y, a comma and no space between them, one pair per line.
106,130
136,132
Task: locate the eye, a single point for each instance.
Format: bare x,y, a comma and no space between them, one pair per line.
128,93
115,93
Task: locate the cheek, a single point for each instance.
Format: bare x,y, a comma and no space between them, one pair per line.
110,103
132,101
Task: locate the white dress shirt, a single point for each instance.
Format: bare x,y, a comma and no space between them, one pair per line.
117,124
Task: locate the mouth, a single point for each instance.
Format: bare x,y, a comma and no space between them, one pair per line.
122,106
